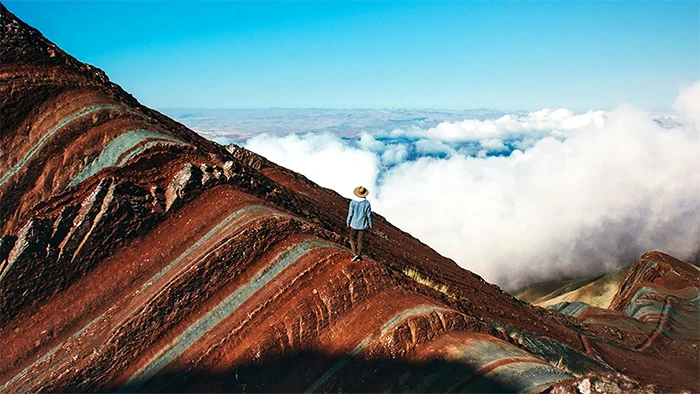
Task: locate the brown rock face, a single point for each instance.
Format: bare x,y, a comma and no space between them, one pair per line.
137,256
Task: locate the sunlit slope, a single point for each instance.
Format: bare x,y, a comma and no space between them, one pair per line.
595,291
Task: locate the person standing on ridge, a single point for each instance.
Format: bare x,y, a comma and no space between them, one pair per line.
359,220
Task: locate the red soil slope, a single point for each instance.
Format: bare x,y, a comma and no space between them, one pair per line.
137,256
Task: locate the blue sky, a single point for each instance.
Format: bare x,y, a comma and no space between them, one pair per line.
457,55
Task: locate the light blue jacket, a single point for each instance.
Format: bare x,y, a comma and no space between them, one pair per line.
359,215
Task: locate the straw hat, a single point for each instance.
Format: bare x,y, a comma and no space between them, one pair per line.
361,191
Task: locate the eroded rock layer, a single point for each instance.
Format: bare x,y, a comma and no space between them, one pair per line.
137,256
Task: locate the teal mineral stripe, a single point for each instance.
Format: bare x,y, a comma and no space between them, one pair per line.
570,308
550,349
116,148
645,301
137,151
207,236
520,375
225,308
660,327
391,323
416,311
162,272
45,357
483,354
339,365
646,308
478,356
83,112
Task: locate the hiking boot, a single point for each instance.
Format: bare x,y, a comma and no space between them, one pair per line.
356,258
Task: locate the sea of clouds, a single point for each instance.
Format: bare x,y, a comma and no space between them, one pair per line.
522,197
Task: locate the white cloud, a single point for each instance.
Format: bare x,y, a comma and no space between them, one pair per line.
323,158
539,122
368,142
602,196
412,132
688,103
394,154
524,143
432,147
608,188
223,140
493,145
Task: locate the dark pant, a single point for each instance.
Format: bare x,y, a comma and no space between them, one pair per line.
356,249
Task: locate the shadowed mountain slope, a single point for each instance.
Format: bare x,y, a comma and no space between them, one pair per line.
137,256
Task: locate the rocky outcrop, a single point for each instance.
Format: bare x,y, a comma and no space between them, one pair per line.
137,256
6,244
182,186
603,384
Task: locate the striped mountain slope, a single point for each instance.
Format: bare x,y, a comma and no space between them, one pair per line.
136,256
